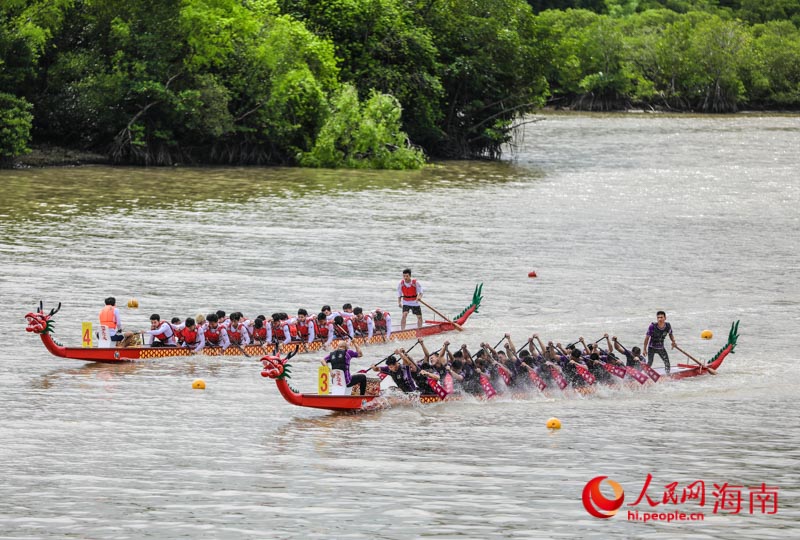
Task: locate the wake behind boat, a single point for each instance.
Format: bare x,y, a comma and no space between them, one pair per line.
42,323
277,368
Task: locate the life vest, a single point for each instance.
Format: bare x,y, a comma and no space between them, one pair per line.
163,335
360,325
189,337
107,318
301,329
260,333
380,323
338,360
292,330
277,331
409,291
320,330
213,334
235,335
340,331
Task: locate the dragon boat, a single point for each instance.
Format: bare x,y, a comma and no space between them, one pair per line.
278,369
42,323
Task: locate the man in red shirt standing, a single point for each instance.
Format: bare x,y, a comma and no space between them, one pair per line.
409,291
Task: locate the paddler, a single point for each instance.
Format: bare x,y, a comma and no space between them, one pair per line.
192,336
163,332
402,375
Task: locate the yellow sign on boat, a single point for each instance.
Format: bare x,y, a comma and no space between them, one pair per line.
86,333
324,381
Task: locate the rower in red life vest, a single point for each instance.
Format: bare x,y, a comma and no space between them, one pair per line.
342,329
304,327
237,330
192,336
261,333
216,334
345,315
362,324
409,291
163,332
323,329
382,321
280,328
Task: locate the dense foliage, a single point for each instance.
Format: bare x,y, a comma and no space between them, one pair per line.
368,83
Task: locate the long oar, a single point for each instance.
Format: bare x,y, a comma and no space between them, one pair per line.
241,349
698,362
458,326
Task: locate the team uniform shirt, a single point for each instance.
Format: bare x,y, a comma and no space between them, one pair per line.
403,377
304,330
238,334
217,336
409,292
165,333
281,332
342,361
194,341
658,335
385,325
364,326
109,317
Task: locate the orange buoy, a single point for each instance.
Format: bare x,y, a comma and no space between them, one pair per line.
133,303
706,334
532,274
553,423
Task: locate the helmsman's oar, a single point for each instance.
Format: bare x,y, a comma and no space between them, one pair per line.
698,362
458,326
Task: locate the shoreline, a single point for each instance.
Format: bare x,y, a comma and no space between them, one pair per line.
47,155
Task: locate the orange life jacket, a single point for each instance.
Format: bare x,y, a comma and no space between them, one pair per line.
107,318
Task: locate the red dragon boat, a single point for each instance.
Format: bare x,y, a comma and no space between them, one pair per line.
279,369
41,323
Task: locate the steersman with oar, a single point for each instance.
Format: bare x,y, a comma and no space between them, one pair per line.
409,293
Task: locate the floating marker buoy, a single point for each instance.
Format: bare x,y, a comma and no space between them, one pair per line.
133,303
532,274
554,423
199,384
706,334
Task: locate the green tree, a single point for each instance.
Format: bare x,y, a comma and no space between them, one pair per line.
382,48
15,127
366,135
490,70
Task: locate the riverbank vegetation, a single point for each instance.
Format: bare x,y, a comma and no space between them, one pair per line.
368,83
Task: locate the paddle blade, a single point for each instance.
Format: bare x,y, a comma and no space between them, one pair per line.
617,371
558,377
436,387
640,377
650,371
536,380
448,383
584,373
487,387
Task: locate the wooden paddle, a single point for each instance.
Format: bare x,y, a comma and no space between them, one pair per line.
241,349
458,326
698,362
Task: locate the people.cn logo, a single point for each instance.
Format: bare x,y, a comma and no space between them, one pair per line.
598,504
